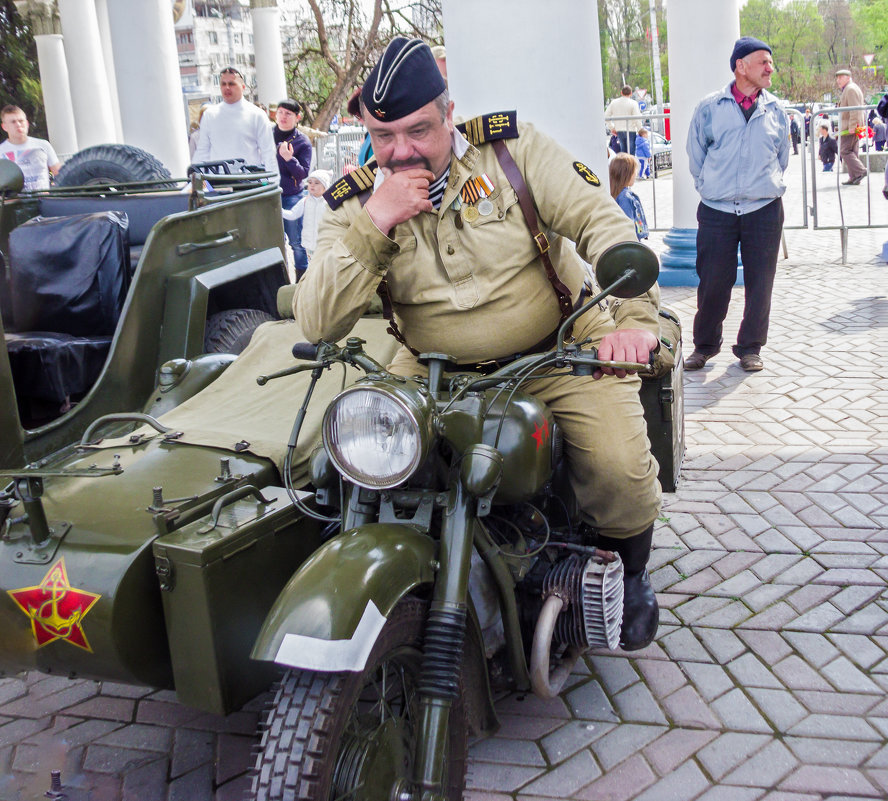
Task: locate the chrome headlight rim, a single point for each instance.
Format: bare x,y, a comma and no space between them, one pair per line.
411,407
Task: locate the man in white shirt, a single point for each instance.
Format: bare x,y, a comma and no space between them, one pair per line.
36,157
624,106
235,128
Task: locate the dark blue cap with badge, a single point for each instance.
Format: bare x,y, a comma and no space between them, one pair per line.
744,46
404,80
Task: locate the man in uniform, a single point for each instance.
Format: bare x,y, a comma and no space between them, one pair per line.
441,224
849,122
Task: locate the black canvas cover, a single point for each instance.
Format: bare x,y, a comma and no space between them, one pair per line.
69,274
55,367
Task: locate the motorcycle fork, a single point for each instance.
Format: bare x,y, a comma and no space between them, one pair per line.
442,654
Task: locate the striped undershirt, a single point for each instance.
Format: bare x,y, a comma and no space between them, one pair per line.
436,189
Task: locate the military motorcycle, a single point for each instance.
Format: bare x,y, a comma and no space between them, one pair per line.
454,564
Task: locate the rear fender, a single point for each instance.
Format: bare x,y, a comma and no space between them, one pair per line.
330,613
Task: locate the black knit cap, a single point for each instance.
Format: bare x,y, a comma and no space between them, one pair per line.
744,46
404,80
290,105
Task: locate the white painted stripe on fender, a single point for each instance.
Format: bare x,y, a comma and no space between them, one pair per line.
311,653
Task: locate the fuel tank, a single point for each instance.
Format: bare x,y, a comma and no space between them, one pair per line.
87,601
523,429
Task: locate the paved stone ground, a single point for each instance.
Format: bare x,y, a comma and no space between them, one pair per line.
768,678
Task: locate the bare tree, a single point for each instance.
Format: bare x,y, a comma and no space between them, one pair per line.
340,42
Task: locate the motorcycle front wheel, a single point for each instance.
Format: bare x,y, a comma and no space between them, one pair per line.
352,736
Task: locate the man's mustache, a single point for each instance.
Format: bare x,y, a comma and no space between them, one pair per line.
409,164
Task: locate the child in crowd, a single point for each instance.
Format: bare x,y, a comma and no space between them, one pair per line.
311,208
828,149
623,168
643,153
614,141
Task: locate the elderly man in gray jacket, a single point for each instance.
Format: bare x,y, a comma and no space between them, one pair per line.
738,144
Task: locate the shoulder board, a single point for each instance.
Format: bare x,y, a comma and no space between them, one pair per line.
351,184
487,127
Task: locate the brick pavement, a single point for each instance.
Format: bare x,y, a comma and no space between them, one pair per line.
767,681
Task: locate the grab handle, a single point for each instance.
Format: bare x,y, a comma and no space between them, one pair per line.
190,247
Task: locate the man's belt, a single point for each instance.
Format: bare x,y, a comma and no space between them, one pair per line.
489,366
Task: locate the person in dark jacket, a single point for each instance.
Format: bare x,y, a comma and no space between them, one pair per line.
294,163
794,134
828,149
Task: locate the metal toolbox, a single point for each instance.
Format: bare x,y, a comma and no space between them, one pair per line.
663,402
219,576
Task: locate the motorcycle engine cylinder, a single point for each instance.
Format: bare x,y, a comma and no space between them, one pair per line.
594,595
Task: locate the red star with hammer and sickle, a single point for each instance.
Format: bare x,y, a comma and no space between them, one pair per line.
55,608
542,433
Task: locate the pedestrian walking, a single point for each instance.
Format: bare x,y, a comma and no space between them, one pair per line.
643,153
624,106
828,148
738,147
849,122
794,134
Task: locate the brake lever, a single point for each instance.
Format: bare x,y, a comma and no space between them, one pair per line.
262,380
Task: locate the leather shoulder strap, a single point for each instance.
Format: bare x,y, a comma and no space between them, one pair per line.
525,201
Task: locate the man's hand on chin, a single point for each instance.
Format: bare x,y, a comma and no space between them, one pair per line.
627,345
400,197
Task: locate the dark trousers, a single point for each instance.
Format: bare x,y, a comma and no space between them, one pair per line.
293,230
718,235
627,141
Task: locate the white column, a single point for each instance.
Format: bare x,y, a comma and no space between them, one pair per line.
694,72
42,17
509,54
148,83
271,82
86,72
56,95
108,61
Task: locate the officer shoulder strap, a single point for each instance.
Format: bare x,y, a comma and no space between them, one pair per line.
351,184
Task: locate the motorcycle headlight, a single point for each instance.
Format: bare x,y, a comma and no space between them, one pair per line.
375,438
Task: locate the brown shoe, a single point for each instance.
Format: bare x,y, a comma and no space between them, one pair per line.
751,362
696,360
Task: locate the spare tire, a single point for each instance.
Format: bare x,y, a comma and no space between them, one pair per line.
230,331
110,164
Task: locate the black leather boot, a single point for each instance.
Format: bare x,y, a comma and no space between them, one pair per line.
640,610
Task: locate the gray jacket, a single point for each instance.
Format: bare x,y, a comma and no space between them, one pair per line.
737,165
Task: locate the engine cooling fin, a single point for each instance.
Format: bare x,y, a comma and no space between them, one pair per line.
593,591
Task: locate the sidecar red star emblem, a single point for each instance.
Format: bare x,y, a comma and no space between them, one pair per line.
542,433
55,608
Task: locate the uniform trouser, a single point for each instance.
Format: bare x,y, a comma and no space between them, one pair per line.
610,465
849,144
718,235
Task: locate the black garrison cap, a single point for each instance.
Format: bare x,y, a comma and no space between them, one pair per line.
744,46
404,80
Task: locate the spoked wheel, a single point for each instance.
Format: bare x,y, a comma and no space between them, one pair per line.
352,736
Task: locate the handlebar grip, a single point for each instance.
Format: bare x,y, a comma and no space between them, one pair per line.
305,351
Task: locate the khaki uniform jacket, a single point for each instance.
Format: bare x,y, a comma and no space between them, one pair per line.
474,290
849,120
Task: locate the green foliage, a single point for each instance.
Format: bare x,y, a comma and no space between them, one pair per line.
626,47
795,31
871,17
19,75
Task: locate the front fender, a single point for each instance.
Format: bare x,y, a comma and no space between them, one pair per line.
331,612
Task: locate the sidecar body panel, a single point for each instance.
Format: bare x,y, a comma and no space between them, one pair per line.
88,602
332,610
